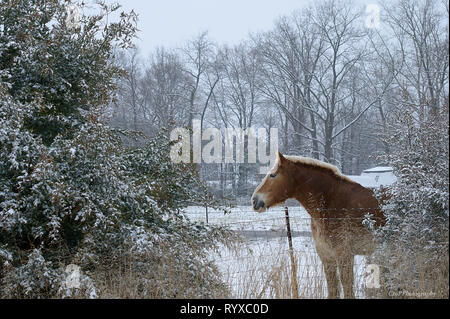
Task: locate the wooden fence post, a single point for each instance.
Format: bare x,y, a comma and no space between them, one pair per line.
291,252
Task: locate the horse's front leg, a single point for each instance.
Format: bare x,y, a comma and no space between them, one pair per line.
345,264
330,268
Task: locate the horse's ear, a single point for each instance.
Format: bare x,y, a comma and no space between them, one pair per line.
280,158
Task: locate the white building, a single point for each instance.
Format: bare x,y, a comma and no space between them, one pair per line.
375,177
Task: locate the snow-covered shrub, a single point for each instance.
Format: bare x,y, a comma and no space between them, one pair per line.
67,66
89,200
70,192
44,280
414,244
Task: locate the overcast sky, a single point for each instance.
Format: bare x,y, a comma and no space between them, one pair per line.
170,23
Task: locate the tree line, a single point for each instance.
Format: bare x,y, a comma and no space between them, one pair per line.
325,78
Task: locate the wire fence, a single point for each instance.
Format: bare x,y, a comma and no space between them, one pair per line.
276,256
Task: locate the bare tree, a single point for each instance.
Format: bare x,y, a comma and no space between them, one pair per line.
166,90
236,99
290,56
128,103
197,56
419,34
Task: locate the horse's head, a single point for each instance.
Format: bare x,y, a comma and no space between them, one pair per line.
276,187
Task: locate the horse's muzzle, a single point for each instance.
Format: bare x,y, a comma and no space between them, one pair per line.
257,202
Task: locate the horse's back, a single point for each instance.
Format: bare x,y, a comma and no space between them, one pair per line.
358,201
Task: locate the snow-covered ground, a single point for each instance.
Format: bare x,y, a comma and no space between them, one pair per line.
260,266
244,218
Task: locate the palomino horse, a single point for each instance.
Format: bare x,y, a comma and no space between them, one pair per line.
337,206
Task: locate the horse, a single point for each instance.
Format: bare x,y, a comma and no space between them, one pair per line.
337,206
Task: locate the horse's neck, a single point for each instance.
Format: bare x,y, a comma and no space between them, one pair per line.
313,191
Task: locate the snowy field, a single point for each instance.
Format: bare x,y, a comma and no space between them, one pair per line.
260,265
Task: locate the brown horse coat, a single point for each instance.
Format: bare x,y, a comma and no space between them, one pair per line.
337,206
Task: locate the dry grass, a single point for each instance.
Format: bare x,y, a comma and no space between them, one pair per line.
267,273
421,276
155,280
262,269
264,273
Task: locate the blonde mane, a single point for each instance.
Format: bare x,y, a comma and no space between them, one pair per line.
319,164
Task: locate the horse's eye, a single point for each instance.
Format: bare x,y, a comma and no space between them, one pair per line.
273,175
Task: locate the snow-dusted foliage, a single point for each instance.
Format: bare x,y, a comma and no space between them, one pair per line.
414,244
66,66
70,192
